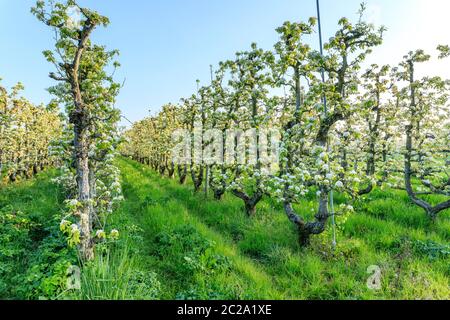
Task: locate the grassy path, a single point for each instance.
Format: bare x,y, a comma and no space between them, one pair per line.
30,243
203,249
152,206
264,260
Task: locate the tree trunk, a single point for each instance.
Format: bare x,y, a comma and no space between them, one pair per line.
250,208
182,173
307,229
218,194
249,202
84,194
171,170
304,237
197,178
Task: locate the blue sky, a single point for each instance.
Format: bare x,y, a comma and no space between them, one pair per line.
166,45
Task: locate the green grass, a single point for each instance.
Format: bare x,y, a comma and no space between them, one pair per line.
178,245
38,196
33,254
266,261
115,275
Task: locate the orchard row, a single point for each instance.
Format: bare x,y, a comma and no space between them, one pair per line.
345,128
26,134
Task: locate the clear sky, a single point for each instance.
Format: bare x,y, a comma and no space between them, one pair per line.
166,45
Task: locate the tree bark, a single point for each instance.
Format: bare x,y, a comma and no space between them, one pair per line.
249,202
84,194
197,178
79,118
182,173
